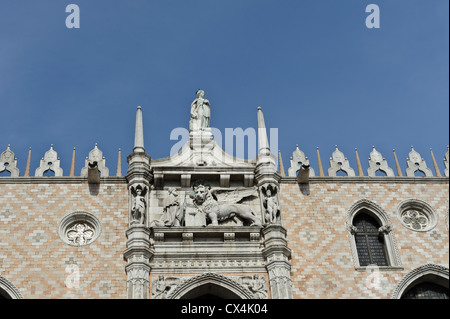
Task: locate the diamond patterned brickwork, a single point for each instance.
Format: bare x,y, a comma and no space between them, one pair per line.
322,262
39,263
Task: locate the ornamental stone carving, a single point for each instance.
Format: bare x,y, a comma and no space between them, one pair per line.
162,287
80,234
205,204
95,158
338,162
416,215
416,163
8,162
51,162
79,228
378,163
249,287
299,159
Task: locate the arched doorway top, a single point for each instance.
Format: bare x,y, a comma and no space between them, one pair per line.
230,286
436,273
8,290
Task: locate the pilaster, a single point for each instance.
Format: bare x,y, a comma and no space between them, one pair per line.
278,265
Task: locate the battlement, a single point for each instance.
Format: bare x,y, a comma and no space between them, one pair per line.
338,162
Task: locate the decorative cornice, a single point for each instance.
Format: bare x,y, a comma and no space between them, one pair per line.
60,180
369,180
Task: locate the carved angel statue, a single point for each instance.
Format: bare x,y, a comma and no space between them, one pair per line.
200,112
139,206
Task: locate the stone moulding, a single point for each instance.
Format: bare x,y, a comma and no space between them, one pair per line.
437,273
11,290
369,180
60,180
211,278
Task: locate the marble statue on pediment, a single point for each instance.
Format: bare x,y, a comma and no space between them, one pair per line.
200,112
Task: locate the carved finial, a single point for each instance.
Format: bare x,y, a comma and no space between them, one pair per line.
259,108
27,167
416,163
50,161
338,162
139,133
263,141
119,164
358,163
72,165
436,167
281,164
397,165
95,156
8,162
298,160
378,163
319,162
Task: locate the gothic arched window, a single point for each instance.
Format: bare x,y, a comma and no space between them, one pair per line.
372,237
370,244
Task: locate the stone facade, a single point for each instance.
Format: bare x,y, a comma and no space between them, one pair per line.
322,261
35,259
202,222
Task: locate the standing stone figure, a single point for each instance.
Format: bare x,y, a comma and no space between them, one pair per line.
173,214
200,112
139,207
272,207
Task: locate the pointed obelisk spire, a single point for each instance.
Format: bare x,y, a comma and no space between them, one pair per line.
280,161
119,164
27,168
139,133
263,141
397,165
358,163
436,167
72,165
319,161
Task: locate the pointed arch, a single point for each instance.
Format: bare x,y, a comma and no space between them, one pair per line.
427,273
228,286
8,290
385,231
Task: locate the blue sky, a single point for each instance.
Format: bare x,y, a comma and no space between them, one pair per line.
320,75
